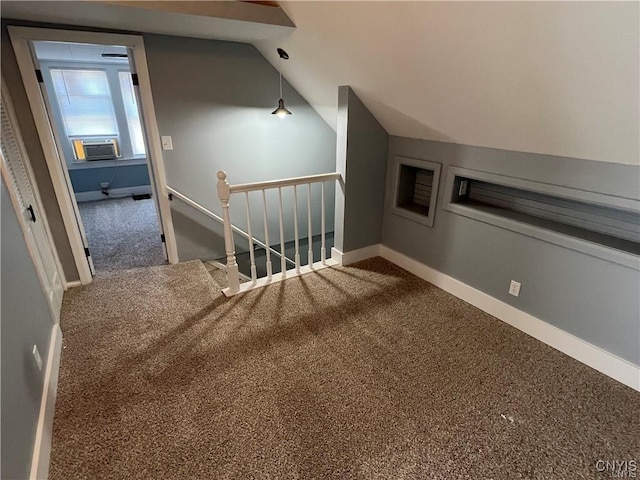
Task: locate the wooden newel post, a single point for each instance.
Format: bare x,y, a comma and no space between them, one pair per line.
224,193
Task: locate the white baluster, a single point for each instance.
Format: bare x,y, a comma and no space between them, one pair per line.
295,227
251,252
266,235
309,232
323,252
283,258
224,194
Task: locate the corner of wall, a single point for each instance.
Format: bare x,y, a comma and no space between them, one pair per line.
361,159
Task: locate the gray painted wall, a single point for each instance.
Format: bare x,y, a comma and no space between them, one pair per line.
200,236
197,235
25,320
11,75
215,100
591,298
89,179
362,160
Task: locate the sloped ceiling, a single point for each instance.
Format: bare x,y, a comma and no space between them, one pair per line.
545,77
556,78
234,21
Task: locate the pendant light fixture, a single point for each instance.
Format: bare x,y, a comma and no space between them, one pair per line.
281,111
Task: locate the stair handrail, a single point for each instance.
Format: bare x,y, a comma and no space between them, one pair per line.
286,182
225,190
219,219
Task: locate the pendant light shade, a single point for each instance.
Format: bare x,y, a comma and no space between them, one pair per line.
281,111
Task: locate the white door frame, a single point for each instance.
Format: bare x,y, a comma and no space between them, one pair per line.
20,39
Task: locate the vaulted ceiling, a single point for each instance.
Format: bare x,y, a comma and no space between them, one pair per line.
557,78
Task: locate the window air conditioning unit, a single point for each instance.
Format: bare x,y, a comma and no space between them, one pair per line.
96,149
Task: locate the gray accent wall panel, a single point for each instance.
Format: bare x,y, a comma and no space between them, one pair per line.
591,298
122,176
362,160
25,321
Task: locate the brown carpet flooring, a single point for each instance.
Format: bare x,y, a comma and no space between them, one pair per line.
364,372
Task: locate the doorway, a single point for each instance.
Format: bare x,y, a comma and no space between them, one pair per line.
91,99
94,112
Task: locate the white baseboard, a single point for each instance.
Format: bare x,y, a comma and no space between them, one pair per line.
591,355
72,284
279,277
336,255
113,192
347,258
44,431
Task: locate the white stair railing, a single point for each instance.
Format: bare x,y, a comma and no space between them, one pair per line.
253,241
224,194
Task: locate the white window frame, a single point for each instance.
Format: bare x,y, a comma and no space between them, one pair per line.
112,71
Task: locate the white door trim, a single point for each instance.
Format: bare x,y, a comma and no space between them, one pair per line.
20,38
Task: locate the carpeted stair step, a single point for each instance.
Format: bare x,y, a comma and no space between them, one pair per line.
218,275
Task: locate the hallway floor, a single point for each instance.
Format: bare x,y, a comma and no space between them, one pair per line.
359,372
122,233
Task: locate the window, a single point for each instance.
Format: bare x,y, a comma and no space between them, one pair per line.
131,112
95,101
85,102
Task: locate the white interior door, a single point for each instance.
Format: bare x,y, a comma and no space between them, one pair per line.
63,165
21,186
152,173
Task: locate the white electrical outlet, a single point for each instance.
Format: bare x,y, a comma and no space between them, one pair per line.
167,143
514,288
463,188
36,357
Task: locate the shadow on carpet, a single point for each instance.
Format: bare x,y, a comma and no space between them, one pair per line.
349,373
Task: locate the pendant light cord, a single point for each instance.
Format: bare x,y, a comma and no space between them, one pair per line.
283,55
281,78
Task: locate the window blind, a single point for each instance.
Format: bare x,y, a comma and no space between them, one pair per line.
85,102
132,113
